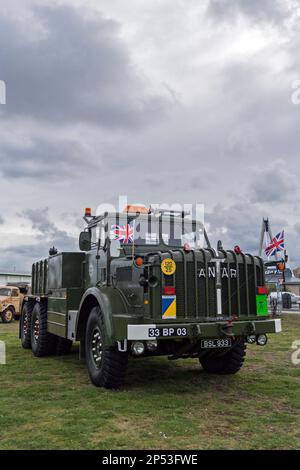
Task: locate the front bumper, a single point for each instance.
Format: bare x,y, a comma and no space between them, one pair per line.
197,331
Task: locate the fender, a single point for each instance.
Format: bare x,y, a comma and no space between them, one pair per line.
8,305
109,301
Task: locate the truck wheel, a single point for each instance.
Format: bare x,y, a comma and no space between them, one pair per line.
42,342
228,363
63,346
25,326
106,365
8,315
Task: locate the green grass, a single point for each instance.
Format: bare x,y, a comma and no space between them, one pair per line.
49,403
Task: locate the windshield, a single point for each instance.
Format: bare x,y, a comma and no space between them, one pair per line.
145,230
5,292
141,231
181,232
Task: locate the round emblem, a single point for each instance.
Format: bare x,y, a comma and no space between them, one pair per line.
168,266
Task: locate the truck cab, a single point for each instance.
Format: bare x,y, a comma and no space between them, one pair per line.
147,283
11,301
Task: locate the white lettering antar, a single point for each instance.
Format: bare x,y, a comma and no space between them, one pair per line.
211,273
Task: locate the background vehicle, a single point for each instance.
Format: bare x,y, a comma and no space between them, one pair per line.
11,301
295,299
147,284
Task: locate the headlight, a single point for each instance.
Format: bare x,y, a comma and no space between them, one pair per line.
251,339
261,340
151,345
138,348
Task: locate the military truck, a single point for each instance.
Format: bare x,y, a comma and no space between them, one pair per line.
147,283
11,301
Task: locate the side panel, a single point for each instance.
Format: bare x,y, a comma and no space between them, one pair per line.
60,302
57,313
65,270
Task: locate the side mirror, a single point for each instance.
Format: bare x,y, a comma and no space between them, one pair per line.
85,243
114,248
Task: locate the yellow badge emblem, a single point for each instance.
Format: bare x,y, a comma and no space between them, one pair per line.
168,266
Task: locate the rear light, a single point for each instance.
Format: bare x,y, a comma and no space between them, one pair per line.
169,290
262,291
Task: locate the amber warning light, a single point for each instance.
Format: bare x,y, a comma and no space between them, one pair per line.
136,209
88,212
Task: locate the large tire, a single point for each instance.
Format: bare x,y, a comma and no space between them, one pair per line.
63,346
8,315
42,342
25,326
228,363
106,365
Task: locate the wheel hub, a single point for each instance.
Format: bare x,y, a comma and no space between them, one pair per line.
8,315
97,350
25,324
36,329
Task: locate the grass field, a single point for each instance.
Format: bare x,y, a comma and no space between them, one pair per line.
49,403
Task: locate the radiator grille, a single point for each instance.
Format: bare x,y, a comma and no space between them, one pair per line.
196,291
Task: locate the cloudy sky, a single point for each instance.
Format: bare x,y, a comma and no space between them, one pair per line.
164,101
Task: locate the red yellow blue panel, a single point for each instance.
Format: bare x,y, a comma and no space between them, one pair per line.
168,303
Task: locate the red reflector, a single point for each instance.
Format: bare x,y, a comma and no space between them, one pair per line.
168,290
187,248
262,291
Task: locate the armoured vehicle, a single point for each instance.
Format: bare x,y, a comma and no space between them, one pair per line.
147,283
11,300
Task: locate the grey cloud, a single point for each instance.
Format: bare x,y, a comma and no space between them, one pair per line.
239,224
273,11
48,234
44,159
75,70
275,184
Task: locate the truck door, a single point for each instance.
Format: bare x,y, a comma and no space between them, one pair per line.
95,260
101,255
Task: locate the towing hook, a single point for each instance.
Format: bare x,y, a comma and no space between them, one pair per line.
227,331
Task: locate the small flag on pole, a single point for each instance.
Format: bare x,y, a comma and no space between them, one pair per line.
276,245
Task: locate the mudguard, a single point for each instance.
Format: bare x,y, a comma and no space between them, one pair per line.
110,302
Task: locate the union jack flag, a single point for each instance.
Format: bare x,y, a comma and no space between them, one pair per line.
276,245
123,233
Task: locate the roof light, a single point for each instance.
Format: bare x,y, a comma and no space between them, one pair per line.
136,209
88,212
187,248
237,250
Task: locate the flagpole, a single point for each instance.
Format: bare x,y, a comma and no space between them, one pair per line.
283,274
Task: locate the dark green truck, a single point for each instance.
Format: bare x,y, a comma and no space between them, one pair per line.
147,284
